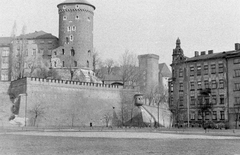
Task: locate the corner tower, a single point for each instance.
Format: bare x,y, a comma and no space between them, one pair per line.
76,31
177,52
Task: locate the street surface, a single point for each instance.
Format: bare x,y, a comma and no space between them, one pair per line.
115,142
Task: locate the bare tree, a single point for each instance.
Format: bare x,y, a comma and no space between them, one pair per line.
96,59
237,113
71,66
37,112
109,64
107,117
129,72
204,106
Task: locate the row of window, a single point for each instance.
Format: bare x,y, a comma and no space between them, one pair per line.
77,17
205,70
68,39
77,6
71,28
214,85
207,115
200,100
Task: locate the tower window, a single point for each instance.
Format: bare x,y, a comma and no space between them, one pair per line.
63,64
64,6
63,52
87,63
55,64
89,52
72,52
77,18
89,19
75,63
67,40
69,28
71,38
64,17
74,28
77,6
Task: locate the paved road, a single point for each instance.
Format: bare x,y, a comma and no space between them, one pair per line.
108,134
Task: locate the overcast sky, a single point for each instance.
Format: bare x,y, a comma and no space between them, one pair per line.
141,26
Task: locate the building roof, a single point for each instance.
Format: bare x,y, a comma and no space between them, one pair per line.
84,2
164,70
211,56
38,35
5,41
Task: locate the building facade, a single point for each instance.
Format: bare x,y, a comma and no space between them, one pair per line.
5,58
192,77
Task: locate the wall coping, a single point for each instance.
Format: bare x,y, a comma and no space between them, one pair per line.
75,83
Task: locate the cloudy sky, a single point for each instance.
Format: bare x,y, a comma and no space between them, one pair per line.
141,26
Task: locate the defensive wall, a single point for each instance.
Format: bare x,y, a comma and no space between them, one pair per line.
67,103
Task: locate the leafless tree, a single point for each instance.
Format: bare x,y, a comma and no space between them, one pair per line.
96,60
71,66
129,72
237,113
107,117
109,64
37,112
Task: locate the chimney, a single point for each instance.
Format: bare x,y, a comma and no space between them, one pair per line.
237,46
210,51
203,53
196,54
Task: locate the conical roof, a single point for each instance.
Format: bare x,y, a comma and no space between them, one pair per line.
84,2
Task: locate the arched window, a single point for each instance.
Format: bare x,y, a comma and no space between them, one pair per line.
87,63
71,38
72,52
75,63
55,64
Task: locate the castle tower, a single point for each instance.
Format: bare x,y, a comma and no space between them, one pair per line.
148,65
76,31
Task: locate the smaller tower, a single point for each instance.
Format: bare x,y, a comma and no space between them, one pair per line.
148,65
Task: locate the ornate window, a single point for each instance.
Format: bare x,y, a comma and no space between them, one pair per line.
199,70
180,72
220,68
74,28
192,71
214,84
213,68
221,99
205,69
237,72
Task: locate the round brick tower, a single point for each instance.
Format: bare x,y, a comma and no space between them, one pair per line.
76,31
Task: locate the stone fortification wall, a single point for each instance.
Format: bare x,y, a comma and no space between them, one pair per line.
67,103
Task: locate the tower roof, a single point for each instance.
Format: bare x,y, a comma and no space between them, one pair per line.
84,2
